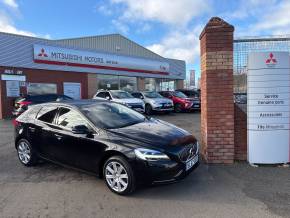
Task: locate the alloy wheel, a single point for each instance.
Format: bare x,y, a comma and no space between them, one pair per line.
116,176
24,152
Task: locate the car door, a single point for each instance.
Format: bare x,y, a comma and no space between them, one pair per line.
44,136
77,149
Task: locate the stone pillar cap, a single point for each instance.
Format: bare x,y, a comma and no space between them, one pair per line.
215,23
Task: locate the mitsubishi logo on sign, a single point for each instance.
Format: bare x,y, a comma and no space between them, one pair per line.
42,53
271,61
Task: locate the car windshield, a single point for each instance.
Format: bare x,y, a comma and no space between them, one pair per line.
121,94
152,95
179,95
109,115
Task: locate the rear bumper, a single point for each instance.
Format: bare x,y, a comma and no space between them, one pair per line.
17,112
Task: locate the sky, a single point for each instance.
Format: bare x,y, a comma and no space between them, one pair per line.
169,28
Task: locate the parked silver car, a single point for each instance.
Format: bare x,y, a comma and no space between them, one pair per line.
154,101
122,97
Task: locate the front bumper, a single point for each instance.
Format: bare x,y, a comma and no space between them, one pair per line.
140,110
161,172
162,109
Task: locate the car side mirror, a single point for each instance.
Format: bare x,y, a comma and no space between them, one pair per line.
142,97
81,129
108,98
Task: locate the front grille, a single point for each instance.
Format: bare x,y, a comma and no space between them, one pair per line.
188,152
136,106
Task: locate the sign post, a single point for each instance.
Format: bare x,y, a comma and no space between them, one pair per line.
268,107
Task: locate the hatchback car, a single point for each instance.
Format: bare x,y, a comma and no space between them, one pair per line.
106,138
122,97
154,102
21,104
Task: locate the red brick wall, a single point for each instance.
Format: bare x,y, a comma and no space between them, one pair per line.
240,132
41,76
217,114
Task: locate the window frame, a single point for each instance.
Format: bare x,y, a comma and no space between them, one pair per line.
95,129
53,120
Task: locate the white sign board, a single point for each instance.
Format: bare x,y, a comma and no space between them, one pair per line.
268,107
13,77
12,89
78,58
72,90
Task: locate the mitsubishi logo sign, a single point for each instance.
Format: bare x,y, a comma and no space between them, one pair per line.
271,60
42,53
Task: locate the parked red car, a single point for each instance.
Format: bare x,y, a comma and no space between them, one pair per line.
181,101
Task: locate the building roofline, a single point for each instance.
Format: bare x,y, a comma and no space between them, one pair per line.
262,38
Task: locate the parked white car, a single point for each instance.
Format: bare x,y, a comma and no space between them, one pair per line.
154,101
122,97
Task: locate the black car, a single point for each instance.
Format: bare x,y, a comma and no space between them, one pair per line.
106,138
21,104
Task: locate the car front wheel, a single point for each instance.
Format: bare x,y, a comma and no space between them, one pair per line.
119,176
25,153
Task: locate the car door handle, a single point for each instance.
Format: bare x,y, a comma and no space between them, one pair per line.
31,129
59,137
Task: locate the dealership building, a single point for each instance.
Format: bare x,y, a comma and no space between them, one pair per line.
78,67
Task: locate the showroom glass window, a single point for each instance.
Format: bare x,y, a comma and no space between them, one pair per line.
108,82
166,84
150,84
41,88
128,84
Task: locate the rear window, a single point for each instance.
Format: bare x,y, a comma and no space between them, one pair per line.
30,114
47,114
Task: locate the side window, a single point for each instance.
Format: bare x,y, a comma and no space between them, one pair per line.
107,94
166,94
69,118
101,95
137,95
47,114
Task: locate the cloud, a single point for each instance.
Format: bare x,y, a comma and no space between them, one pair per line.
276,20
182,45
10,3
6,25
120,26
174,12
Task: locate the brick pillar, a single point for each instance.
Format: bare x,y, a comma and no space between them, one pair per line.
92,84
140,84
217,114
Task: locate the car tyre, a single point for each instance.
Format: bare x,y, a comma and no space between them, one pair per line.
148,109
26,154
119,175
177,108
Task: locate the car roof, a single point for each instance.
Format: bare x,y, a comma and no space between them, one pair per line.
75,103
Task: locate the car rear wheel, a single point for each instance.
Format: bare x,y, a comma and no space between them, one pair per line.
177,108
148,109
25,153
119,175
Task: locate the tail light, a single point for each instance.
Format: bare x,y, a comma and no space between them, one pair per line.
24,103
15,122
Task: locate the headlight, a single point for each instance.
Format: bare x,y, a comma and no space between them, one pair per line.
151,155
